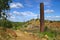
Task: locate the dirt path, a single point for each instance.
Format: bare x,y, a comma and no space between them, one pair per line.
25,36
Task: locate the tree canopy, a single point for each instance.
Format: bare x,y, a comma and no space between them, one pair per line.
4,6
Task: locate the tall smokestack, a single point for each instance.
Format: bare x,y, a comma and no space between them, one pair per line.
41,17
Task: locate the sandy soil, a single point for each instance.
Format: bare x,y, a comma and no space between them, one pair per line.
25,36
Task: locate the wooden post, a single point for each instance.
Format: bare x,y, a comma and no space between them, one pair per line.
41,17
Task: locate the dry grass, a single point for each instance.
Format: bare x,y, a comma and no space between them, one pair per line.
9,34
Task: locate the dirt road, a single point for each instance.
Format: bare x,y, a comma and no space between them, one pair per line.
25,36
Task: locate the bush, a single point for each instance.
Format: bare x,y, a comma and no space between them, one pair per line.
6,24
46,29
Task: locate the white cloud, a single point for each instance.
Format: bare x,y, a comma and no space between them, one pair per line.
15,12
12,17
23,16
49,11
52,17
16,5
48,16
18,13
57,16
26,13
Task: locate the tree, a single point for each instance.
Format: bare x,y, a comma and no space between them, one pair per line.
4,6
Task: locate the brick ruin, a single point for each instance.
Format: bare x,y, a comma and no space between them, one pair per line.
41,17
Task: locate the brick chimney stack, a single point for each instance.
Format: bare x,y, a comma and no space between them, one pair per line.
41,17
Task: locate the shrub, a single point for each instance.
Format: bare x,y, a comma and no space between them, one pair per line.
6,24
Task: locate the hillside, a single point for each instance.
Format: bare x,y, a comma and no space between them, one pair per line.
10,34
34,24
30,30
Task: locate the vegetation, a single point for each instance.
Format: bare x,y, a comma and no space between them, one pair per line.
5,24
52,29
10,24
4,6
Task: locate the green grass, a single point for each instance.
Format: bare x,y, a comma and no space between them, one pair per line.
52,34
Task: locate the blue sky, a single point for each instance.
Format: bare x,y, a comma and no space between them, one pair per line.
23,10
